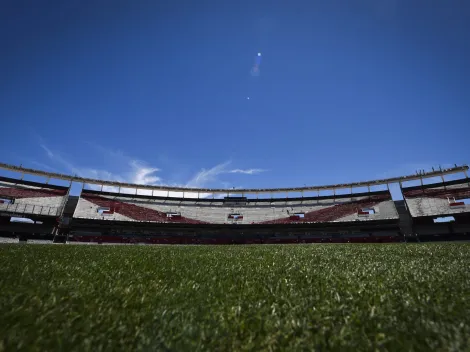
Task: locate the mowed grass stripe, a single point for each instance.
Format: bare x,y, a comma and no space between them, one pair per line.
225,298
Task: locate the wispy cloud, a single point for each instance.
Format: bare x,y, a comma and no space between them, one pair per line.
139,172
116,154
247,171
144,175
203,177
54,156
49,153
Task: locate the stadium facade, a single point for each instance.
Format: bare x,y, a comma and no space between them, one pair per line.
114,212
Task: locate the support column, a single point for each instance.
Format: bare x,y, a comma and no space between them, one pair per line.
443,181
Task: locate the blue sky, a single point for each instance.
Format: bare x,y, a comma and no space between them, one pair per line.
156,92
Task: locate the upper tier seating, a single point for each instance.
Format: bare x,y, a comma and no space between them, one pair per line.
114,206
341,212
27,197
438,199
120,210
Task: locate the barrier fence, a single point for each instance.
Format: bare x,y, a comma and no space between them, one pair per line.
19,208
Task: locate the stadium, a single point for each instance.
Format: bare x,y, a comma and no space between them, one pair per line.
234,269
234,176
122,213
272,269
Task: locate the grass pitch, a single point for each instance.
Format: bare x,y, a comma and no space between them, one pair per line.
225,298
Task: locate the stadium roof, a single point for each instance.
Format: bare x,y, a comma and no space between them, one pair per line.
385,181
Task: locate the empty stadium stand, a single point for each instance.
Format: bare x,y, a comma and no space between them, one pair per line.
429,204
101,205
142,208
438,199
30,209
101,217
18,198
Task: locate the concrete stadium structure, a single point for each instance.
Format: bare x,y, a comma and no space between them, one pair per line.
121,213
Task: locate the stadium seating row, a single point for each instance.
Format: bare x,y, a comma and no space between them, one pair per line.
438,199
26,197
19,197
375,206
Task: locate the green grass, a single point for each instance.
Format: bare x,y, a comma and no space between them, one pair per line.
223,298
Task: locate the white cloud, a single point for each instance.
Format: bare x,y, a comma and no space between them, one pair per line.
116,154
140,173
203,177
47,150
54,156
246,172
143,175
